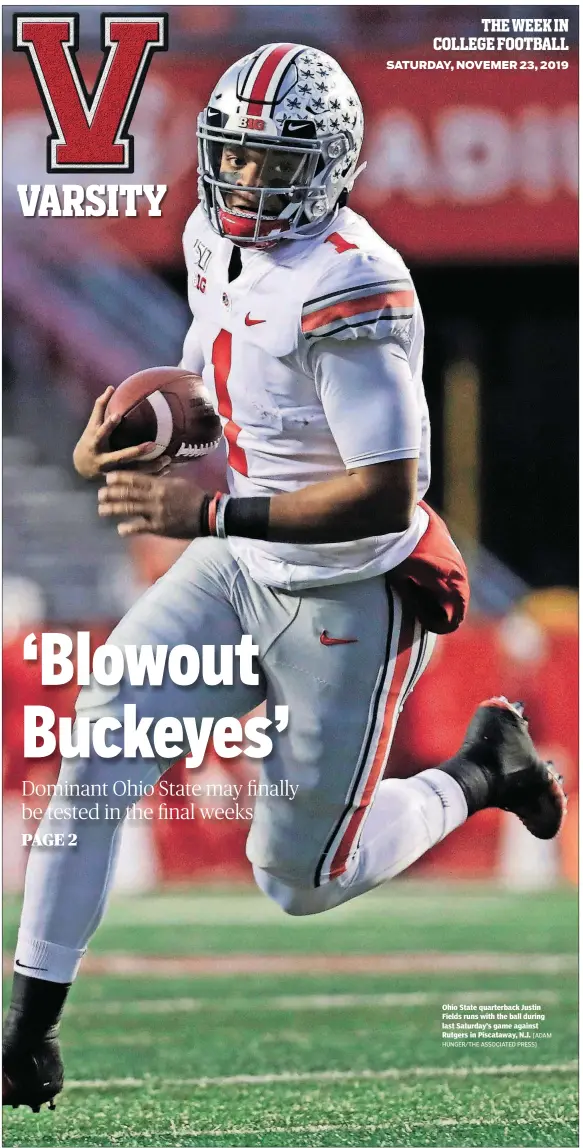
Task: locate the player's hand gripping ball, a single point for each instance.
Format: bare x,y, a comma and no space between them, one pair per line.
154,418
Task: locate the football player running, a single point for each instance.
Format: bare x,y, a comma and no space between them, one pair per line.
307,330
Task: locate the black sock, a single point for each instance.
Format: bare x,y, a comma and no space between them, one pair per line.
474,781
35,1010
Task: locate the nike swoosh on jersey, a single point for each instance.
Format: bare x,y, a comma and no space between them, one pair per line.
326,641
34,968
249,322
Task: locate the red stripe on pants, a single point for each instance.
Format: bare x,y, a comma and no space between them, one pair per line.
383,746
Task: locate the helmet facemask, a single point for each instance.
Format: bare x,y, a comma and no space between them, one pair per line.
293,206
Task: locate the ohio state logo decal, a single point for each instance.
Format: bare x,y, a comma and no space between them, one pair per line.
89,132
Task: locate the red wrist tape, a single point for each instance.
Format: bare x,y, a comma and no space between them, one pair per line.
212,513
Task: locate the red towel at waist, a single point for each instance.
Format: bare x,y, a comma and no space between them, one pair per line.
433,581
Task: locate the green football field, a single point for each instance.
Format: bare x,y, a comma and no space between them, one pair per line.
209,1018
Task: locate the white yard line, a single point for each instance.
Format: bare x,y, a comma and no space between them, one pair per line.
299,1129
416,1072
133,965
308,1001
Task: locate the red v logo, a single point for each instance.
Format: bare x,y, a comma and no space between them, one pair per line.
90,132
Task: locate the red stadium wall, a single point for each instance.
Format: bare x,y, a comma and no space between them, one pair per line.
461,164
473,664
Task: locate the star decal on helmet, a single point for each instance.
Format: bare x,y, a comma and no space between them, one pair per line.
304,89
335,125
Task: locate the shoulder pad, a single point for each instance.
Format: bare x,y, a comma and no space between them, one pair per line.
359,294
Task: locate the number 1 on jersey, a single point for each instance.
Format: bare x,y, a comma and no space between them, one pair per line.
340,243
221,360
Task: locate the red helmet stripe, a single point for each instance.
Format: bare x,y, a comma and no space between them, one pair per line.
265,75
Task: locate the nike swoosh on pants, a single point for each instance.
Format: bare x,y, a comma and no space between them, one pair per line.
326,641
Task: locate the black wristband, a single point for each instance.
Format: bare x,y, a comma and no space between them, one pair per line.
204,530
248,517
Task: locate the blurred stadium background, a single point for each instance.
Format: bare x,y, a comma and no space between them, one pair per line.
473,178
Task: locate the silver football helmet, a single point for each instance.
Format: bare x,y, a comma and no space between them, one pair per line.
301,115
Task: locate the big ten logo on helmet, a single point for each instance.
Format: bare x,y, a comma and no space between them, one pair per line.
252,123
90,130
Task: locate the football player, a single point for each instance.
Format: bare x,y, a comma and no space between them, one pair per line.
308,332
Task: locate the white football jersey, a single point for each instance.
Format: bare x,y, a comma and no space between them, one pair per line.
260,342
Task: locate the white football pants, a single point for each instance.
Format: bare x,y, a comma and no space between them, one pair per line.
344,659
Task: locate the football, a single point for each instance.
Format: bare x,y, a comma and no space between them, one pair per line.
168,406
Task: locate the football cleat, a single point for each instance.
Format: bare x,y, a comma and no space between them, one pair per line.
32,1076
498,766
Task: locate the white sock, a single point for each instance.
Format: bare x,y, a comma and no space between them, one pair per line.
46,961
407,818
